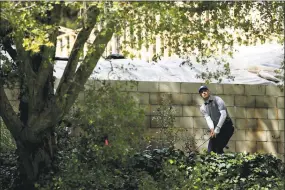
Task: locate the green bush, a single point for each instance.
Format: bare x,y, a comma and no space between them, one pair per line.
169,134
171,169
239,171
161,169
7,142
9,173
85,162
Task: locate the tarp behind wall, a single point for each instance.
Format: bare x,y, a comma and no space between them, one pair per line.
250,65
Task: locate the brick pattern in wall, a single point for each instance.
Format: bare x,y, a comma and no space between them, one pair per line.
256,110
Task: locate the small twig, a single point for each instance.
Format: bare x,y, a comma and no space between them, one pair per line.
112,69
24,8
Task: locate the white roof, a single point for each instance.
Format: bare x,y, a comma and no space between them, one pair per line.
251,65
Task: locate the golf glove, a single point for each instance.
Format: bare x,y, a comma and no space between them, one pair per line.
217,130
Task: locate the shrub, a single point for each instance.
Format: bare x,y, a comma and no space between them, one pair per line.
85,162
171,169
169,134
7,142
9,173
240,171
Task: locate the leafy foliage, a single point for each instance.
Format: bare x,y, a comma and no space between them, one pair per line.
172,169
7,143
164,118
169,134
241,171
216,27
9,170
85,161
167,169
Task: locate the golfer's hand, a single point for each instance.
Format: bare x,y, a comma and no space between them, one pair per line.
212,133
217,131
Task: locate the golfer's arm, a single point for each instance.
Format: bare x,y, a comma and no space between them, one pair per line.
222,118
207,117
209,122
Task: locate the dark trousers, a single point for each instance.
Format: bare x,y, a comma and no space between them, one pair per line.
218,143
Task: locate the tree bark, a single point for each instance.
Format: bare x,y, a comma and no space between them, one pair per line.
35,158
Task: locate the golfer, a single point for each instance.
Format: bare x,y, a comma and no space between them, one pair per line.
218,120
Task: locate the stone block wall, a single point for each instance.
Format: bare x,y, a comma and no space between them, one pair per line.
256,110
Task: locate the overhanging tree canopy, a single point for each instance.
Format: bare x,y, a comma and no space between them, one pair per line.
29,33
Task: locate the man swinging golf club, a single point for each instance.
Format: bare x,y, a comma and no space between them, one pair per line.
218,120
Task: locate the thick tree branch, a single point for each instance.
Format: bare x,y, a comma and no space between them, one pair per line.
25,66
86,68
12,121
48,53
47,118
36,98
72,63
8,115
44,61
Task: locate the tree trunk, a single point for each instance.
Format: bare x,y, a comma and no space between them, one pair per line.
35,158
